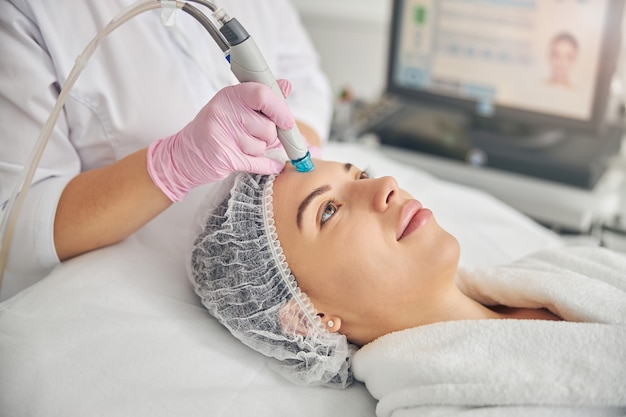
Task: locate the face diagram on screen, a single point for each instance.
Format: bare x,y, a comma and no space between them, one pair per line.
562,56
539,56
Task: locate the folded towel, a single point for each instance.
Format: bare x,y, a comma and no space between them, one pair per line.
578,283
514,367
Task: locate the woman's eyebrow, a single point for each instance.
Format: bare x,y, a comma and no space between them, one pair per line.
318,191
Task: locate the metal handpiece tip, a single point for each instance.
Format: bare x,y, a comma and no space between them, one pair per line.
304,164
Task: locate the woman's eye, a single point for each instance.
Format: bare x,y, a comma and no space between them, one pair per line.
329,210
364,175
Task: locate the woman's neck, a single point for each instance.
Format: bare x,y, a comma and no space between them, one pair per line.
454,306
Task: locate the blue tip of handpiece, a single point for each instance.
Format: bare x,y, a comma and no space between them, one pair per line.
304,164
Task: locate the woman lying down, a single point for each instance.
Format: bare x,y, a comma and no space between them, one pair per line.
337,275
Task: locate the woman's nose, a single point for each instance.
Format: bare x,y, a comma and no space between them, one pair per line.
384,189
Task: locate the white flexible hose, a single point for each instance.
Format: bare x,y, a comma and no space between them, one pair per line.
14,204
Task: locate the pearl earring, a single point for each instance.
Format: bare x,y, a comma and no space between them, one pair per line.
330,323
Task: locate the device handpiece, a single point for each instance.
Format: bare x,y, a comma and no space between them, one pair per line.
248,64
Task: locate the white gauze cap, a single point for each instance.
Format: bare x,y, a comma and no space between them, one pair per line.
239,271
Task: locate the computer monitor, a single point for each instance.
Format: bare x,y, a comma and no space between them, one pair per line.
547,62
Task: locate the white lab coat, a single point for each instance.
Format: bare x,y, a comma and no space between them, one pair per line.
144,82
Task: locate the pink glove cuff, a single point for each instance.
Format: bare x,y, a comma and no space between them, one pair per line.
168,181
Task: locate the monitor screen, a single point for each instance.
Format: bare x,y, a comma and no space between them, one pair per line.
550,59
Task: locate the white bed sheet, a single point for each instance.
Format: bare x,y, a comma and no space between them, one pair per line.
119,331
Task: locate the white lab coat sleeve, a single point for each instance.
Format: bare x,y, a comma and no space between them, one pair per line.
311,98
28,91
33,254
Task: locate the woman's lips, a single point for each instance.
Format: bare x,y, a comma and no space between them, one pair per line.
412,217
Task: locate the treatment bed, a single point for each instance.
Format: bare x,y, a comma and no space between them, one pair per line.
120,332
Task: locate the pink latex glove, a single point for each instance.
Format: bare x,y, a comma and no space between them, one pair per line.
230,133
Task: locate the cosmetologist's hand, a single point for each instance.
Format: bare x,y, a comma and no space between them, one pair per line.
230,133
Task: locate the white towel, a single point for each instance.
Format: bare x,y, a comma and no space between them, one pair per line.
514,367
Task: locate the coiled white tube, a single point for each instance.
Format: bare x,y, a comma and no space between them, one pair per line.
16,200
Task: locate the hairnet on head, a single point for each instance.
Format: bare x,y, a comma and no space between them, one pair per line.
239,271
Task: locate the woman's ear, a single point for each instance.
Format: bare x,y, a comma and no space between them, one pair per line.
332,323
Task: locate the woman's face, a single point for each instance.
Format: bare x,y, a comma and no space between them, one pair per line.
366,253
562,59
